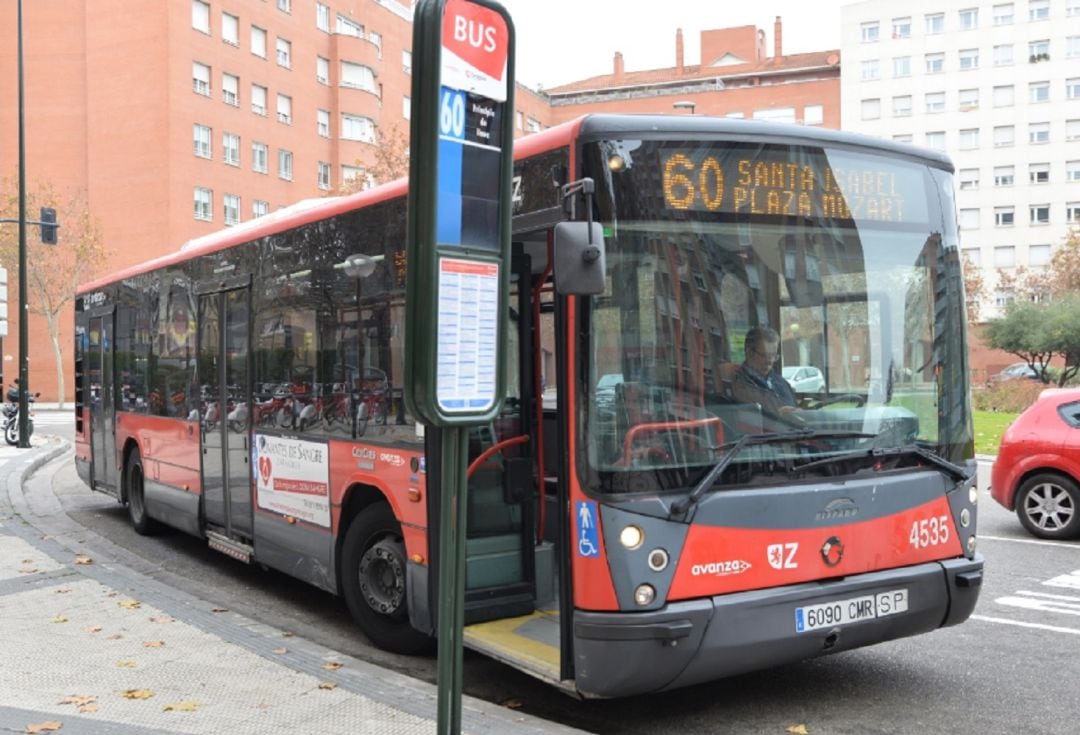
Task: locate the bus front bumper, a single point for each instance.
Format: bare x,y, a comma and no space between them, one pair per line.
693,641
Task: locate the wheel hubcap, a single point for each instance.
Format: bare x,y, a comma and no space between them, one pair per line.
382,577
1049,507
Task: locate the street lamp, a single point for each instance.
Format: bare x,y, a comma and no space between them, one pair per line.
685,105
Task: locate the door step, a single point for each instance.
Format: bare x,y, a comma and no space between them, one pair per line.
236,549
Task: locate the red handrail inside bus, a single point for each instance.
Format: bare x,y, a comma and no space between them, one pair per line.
653,427
493,449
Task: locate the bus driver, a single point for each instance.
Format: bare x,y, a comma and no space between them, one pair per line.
757,380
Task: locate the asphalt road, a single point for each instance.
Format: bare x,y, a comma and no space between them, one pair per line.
1011,669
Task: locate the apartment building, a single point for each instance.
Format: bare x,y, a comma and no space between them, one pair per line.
994,84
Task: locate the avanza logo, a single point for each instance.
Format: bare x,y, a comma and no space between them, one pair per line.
837,510
720,568
392,459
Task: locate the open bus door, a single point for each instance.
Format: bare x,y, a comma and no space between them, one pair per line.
100,392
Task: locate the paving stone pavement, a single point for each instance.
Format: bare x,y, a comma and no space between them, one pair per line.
100,649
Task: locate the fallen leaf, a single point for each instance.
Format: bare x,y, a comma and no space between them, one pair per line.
93,629
89,707
513,703
153,644
162,619
281,650
136,694
126,664
60,619
327,685
188,705
63,590
219,609
27,561
332,665
130,604
26,570
78,699
112,594
288,634
50,726
798,730
114,637
83,559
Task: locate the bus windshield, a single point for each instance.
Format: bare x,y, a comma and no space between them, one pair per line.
769,289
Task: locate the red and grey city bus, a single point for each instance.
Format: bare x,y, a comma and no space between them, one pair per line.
633,524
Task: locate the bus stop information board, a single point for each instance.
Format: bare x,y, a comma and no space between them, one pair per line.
459,218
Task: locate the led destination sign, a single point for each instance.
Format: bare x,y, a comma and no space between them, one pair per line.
793,182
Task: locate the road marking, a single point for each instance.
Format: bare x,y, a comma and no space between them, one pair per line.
1066,598
1028,603
1039,626
1059,544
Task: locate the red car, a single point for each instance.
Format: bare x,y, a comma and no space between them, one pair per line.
1037,470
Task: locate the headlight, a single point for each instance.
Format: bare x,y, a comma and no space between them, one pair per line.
644,594
631,537
971,545
973,494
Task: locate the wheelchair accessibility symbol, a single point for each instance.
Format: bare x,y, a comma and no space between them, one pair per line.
588,537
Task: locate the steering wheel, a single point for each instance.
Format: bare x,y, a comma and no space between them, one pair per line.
855,398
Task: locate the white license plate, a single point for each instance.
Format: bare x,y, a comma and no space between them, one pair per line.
851,610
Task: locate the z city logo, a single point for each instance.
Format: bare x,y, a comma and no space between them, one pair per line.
832,551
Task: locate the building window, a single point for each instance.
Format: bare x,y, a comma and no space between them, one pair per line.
1004,136
901,106
324,175
1039,51
375,39
1038,255
969,99
1072,130
1039,173
969,19
346,27
968,178
230,89
284,53
812,115
935,23
284,108
258,99
284,164
1003,14
902,138
1072,171
871,109
1072,213
969,59
1038,10
230,29
969,219
1072,8
1040,214
1005,256
936,140
259,208
322,17
901,66
284,6
1039,133
258,41
969,139
1003,175
776,114
350,174
1072,47
974,256
1003,55
871,69
355,127
901,27
259,156
231,204
203,141
204,204
532,126
935,63
322,123
406,108
1004,96
1004,216
322,70
200,16
406,62
1072,88
870,32
230,143
200,76
935,102
357,76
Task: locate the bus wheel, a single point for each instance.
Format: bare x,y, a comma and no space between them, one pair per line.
373,581
136,502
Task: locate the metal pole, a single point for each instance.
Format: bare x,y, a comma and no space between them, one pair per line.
455,445
24,418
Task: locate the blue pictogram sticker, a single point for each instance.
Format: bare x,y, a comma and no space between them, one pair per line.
588,538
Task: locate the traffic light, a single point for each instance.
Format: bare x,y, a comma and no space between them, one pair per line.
48,225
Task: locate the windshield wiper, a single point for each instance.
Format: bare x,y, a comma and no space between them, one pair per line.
683,505
939,462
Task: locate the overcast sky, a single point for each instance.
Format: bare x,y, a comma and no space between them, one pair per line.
560,41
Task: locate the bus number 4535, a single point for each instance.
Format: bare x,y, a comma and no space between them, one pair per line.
929,532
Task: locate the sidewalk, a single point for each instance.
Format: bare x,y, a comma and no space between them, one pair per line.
94,647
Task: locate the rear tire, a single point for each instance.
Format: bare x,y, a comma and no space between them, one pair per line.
143,524
1048,506
373,581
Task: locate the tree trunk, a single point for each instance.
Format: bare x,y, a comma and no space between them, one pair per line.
54,337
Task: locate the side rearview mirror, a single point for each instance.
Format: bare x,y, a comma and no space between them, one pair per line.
579,258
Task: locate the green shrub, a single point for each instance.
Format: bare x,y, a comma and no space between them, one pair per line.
1010,396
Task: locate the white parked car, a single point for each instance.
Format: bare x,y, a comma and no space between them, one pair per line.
804,378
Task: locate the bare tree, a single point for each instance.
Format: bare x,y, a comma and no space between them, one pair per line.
390,160
974,290
53,271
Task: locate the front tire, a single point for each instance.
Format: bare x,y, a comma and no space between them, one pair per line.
143,524
11,431
373,581
1048,506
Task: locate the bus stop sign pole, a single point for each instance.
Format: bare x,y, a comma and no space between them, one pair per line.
457,274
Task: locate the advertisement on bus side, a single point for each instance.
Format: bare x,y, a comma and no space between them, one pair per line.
292,477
